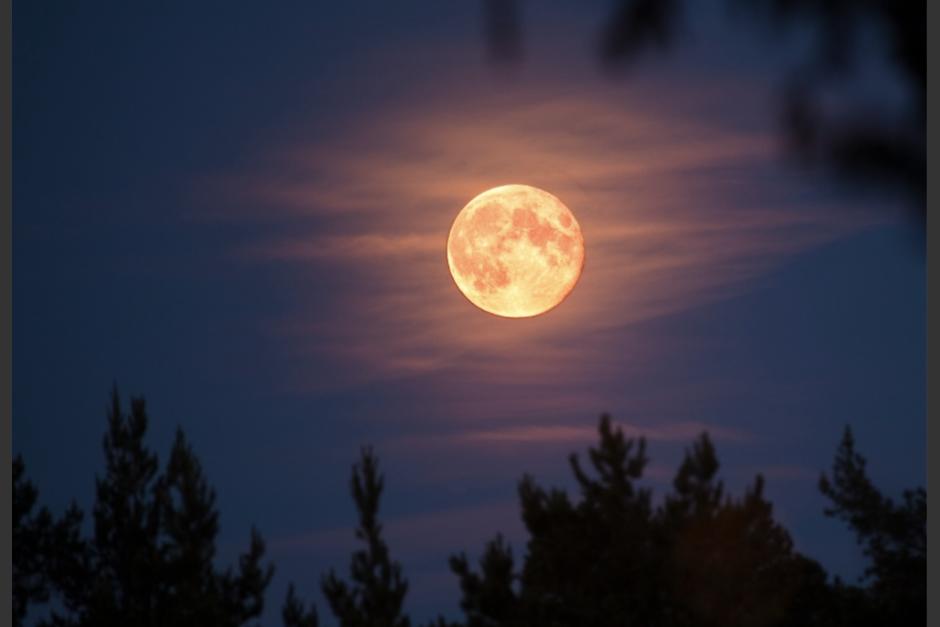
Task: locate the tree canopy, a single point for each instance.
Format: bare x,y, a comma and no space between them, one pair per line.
609,555
150,558
613,558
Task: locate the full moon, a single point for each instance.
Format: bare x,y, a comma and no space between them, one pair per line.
515,251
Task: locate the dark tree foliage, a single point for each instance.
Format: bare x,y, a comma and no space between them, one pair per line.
893,536
489,598
609,557
42,546
123,576
198,594
375,596
591,560
700,558
294,614
30,533
502,29
150,558
861,139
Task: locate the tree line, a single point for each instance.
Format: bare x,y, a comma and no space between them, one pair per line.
608,556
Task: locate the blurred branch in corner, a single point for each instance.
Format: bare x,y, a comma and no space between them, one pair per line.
826,121
876,143
503,31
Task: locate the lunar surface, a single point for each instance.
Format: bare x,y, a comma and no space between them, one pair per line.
515,251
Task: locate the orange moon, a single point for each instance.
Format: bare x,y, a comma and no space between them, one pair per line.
515,251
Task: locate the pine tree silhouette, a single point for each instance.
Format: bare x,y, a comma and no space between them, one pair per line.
610,557
150,559
43,548
489,598
377,592
124,576
701,558
866,143
198,595
30,531
893,536
293,613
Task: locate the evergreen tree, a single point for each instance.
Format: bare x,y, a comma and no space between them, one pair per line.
587,563
187,547
700,559
728,562
29,530
42,546
893,536
126,563
150,560
594,560
696,491
377,592
294,614
197,594
489,598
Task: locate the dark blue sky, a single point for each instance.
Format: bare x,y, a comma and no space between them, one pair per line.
240,214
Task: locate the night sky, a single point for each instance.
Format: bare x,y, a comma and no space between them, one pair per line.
240,213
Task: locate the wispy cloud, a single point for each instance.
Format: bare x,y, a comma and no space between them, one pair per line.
535,434
676,212
575,435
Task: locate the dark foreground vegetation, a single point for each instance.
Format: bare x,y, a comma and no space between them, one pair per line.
609,557
827,122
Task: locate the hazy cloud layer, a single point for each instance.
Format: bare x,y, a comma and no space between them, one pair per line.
676,212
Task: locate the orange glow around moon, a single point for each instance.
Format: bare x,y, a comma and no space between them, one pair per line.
515,251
